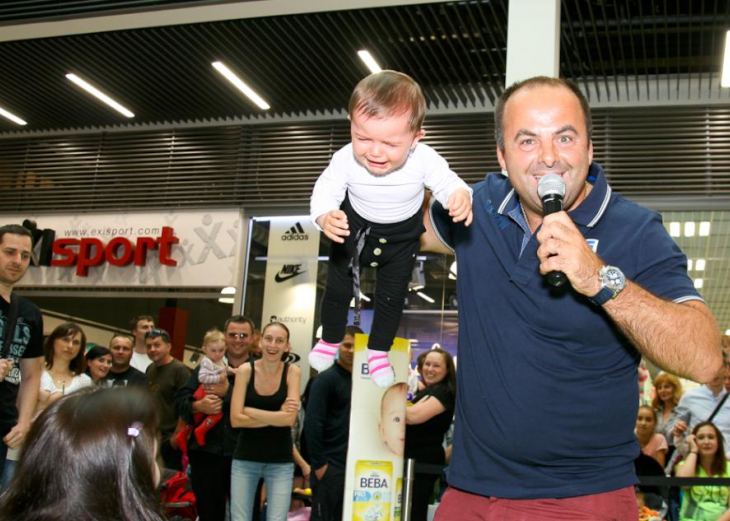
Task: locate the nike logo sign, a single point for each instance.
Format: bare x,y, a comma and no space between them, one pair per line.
288,271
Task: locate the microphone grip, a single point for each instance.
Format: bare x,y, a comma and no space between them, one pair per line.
553,203
556,278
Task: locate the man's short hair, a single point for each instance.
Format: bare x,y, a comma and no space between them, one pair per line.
122,335
538,81
353,330
157,332
14,229
389,93
136,320
239,319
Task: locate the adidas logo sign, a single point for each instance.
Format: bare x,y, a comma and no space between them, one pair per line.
295,233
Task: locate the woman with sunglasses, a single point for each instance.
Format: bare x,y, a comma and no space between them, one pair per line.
264,405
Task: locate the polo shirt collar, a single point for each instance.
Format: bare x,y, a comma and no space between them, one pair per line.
589,212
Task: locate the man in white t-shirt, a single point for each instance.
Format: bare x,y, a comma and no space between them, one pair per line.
140,326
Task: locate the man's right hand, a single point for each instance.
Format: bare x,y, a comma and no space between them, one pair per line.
334,225
320,472
6,365
210,404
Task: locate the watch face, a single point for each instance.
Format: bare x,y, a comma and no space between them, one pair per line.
613,278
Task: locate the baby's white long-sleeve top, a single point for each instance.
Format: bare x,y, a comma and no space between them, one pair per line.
383,199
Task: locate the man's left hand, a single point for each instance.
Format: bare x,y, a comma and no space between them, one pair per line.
563,248
15,437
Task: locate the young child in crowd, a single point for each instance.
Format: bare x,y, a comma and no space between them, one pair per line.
369,203
213,369
393,418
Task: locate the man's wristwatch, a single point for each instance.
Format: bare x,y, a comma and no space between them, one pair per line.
612,281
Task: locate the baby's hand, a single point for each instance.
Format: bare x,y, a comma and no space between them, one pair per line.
230,371
334,225
459,206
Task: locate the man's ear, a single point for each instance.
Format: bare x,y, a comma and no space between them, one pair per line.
500,158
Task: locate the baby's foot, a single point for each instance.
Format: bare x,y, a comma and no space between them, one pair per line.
322,355
380,369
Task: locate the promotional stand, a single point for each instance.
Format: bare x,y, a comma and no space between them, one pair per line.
374,474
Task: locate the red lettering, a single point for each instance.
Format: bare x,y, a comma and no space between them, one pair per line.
68,256
140,254
166,240
87,258
113,249
120,251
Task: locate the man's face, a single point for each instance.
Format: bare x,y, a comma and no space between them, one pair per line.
238,339
347,352
121,348
382,145
15,253
143,327
545,133
158,350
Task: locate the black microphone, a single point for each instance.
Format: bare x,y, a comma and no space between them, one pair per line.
551,190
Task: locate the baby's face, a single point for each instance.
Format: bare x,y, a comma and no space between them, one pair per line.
215,350
393,420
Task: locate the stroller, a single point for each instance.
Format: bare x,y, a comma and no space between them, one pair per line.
178,499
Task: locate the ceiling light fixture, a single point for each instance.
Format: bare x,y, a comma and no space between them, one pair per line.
725,81
369,61
689,229
699,283
689,264
240,85
100,95
12,117
700,265
705,229
425,297
675,229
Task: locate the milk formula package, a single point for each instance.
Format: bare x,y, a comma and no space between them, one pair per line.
373,490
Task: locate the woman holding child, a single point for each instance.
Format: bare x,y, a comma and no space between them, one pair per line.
264,405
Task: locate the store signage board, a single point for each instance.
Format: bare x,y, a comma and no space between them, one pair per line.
291,283
153,249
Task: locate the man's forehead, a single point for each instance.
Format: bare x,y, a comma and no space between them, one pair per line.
239,327
15,241
544,97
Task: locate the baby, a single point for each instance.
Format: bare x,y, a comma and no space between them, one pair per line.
369,203
213,369
393,418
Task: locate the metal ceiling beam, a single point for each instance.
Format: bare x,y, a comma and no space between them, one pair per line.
190,15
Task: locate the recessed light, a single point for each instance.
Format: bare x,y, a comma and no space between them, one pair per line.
675,229
100,95
369,61
700,265
699,283
689,229
241,85
704,228
12,117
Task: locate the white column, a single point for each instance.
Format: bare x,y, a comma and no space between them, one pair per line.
533,39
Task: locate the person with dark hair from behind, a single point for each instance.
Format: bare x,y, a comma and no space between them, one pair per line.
98,364
122,373
166,377
327,430
139,327
427,421
90,456
20,362
705,459
211,463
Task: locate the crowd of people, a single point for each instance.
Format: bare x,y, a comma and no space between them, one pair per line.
556,310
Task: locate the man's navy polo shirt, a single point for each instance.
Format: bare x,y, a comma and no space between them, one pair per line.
547,385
